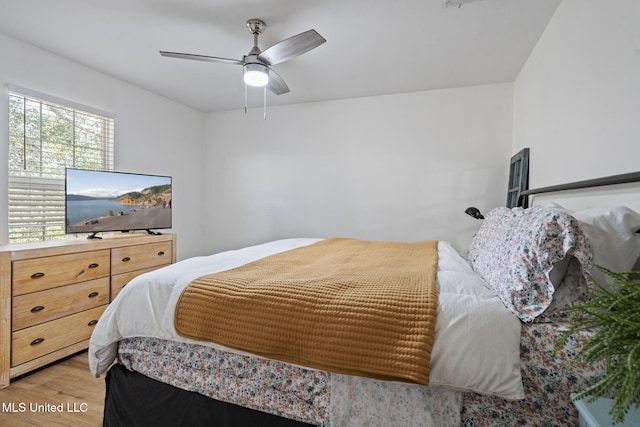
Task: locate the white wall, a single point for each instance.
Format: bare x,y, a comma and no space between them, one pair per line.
153,135
397,167
577,100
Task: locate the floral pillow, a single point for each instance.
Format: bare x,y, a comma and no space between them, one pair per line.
515,250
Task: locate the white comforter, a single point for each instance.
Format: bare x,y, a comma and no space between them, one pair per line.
476,348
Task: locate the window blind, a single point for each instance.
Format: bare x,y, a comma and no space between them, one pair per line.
47,135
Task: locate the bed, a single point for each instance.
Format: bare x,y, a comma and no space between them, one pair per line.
493,359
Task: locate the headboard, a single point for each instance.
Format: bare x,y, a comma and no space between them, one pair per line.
598,182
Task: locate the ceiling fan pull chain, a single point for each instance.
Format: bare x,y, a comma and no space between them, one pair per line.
245,99
264,113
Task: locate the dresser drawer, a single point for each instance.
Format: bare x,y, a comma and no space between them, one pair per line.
130,258
119,281
37,274
36,341
39,307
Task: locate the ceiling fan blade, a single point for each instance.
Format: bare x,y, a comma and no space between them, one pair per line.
276,84
200,57
292,47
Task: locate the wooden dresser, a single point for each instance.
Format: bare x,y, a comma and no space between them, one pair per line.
53,293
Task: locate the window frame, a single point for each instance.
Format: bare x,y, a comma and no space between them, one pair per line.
518,177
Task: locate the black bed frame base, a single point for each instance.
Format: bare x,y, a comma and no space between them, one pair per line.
134,400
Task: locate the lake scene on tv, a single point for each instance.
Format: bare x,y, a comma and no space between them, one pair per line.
98,201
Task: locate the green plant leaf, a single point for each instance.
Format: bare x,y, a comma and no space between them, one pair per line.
612,313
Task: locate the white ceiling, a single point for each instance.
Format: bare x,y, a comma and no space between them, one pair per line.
373,47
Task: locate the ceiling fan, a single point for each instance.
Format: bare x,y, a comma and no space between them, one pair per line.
257,64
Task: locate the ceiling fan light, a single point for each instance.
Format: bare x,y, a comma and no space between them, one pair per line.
256,74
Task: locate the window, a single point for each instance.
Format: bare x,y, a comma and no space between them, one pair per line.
518,177
47,135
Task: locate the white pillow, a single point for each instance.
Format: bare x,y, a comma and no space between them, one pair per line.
611,232
612,235
557,273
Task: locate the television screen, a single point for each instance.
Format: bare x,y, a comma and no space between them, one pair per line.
98,201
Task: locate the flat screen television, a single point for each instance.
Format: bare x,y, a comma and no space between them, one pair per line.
99,201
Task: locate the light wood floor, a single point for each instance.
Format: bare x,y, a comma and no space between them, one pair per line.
30,400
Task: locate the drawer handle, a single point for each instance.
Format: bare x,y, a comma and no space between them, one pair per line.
37,308
93,322
37,275
94,265
160,253
37,341
126,259
93,294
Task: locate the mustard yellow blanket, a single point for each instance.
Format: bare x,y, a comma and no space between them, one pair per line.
348,306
